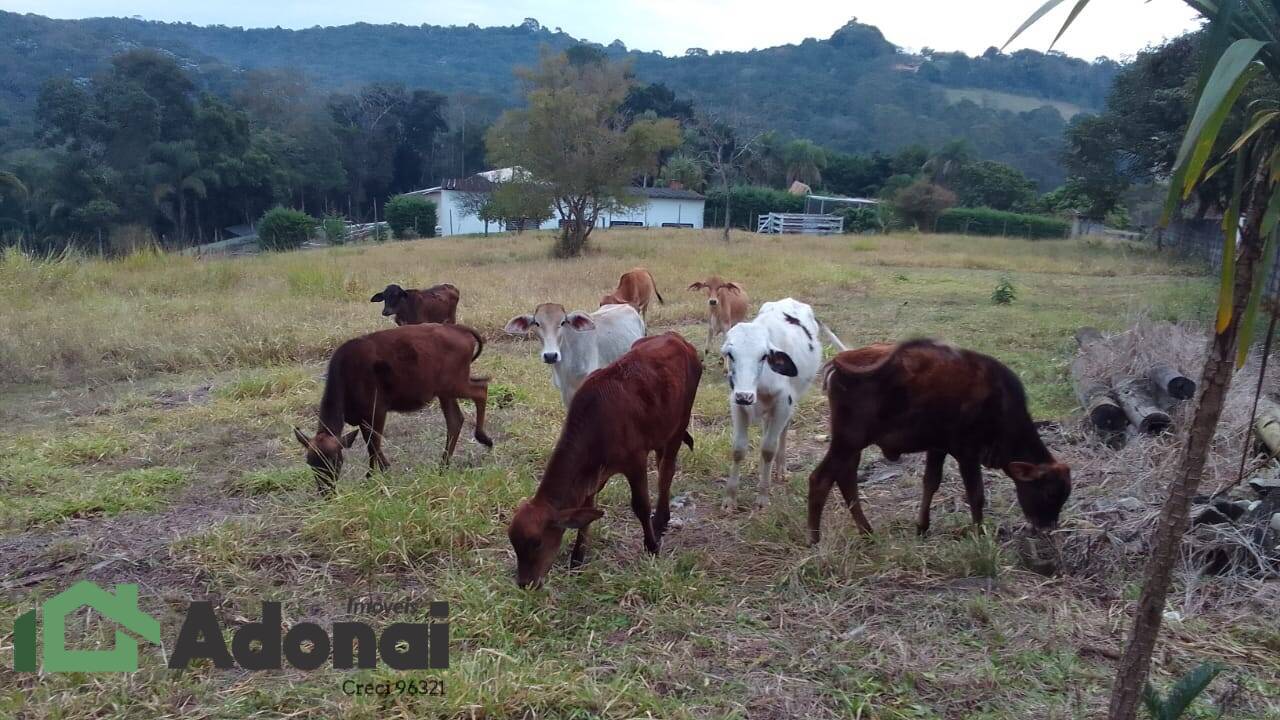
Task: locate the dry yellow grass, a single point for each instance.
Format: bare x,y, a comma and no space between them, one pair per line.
78,319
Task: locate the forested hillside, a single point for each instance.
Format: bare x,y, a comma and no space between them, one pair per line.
855,91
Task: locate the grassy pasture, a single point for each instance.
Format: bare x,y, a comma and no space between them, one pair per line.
1010,101
148,402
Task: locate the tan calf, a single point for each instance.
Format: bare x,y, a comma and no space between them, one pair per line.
726,306
635,288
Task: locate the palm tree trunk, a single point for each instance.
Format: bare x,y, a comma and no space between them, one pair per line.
1215,380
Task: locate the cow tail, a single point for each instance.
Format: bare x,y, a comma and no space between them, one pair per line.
832,337
837,367
688,439
655,289
479,340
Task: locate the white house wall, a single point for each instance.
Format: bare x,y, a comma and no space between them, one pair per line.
654,213
657,211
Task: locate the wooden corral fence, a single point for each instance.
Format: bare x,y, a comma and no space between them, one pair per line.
800,224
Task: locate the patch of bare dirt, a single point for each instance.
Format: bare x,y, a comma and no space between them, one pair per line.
127,548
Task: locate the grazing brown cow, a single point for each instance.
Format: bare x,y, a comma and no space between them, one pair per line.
436,304
922,396
726,306
399,370
635,288
637,405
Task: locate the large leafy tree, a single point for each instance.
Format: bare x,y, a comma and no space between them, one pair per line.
575,141
986,183
1097,172
1136,138
1242,45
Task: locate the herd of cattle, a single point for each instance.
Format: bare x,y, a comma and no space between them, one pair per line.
629,395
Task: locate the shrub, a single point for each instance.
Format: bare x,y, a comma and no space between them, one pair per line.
1005,293
861,219
922,202
411,216
334,228
746,203
282,228
985,221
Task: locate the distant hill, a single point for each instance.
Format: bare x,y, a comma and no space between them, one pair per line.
854,91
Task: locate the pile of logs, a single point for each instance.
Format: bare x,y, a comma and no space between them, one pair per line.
1140,402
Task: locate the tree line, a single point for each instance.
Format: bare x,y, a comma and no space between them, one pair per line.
138,150
854,91
1118,160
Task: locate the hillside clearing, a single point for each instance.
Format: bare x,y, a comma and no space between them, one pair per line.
149,401
1011,101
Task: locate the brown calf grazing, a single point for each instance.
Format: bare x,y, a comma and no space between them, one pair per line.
636,405
922,396
436,304
399,370
726,305
635,288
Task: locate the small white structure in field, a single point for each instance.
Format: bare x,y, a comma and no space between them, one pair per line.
661,207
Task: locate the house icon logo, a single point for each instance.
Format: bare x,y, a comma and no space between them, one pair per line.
120,607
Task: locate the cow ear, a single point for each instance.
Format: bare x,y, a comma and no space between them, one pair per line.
377,298
697,286
782,363
1023,472
577,518
581,321
350,438
302,438
519,325
732,286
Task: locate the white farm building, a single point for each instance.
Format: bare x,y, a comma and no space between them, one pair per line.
662,207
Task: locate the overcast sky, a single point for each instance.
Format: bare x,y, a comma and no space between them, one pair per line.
1116,28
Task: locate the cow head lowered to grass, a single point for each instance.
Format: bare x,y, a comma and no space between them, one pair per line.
399,370
638,405
924,396
324,454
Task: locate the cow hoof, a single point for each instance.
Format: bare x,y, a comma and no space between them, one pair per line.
729,504
762,502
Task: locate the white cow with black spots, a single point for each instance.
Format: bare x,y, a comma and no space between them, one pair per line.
770,362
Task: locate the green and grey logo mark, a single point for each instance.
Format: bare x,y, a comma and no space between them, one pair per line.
120,607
